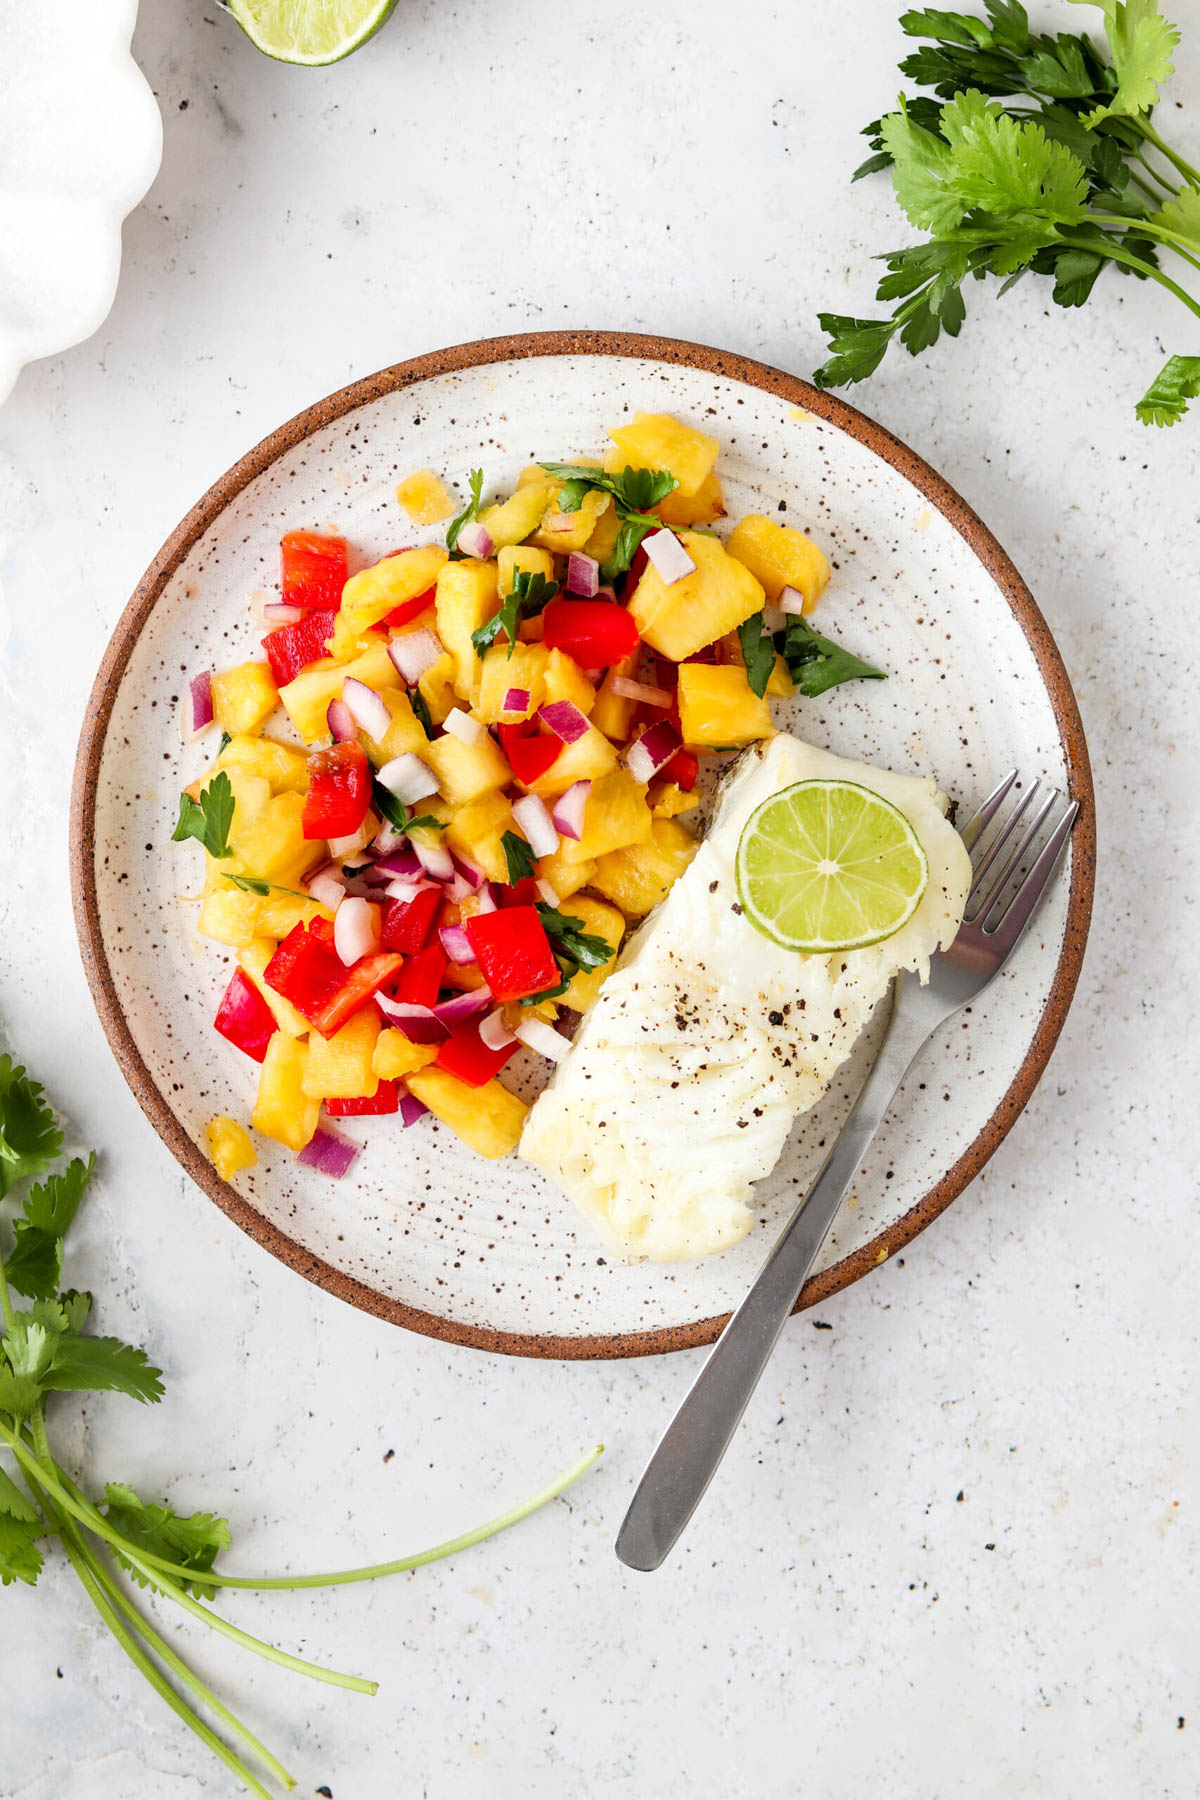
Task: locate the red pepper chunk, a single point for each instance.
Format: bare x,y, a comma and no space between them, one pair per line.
386,1099
596,633
362,983
513,951
339,792
529,754
421,977
410,609
292,648
245,1018
682,769
407,923
308,971
313,568
465,1054
522,893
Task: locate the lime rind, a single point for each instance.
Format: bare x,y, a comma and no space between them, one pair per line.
310,33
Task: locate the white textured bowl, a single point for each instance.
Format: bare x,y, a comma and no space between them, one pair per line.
80,143
425,1232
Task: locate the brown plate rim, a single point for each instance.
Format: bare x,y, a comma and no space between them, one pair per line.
733,366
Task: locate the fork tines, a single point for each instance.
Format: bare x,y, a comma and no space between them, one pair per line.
1006,854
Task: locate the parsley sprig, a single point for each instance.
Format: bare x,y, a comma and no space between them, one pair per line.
530,594
573,949
398,815
470,511
634,491
208,819
1035,155
518,856
46,1351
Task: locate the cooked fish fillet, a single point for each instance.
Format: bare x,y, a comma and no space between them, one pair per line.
708,1039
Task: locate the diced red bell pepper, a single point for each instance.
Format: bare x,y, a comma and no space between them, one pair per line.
513,951
407,923
386,1099
292,648
410,609
682,769
322,928
245,1018
421,977
339,791
596,633
314,569
521,893
362,983
465,1054
529,752
308,972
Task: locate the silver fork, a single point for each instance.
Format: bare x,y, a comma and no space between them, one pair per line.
699,1435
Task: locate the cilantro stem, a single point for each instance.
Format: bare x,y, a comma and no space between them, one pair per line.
1185,168
1105,246
6,1305
1147,228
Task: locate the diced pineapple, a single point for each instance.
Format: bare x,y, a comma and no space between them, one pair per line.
307,697
616,815
279,913
779,556
397,1056
372,594
517,559
342,1067
603,540
465,771
564,877
639,877
476,831
437,689
587,759
424,498
657,441
667,798
525,668
488,1118
467,596
572,531
520,515
780,685
253,960
244,698
613,713
229,917
598,920
565,680
405,732
683,616
229,1146
718,706
700,508
282,765
283,1110
273,845
250,794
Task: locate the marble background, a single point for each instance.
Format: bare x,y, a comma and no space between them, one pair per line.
953,1550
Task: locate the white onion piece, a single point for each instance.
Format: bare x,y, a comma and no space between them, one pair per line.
366,708
487,900
494,1033
535,1034
462,726
641,690
414,652
668,556
569,810
790,601
531,815
327,888
355,931
408,778
403,889
436,861
652,751
278,612
475,540
547,894
772,617
341,849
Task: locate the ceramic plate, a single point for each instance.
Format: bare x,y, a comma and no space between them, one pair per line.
428,1235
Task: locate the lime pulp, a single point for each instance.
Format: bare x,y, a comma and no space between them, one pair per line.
313,32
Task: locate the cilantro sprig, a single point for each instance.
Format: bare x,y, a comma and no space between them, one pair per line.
634,492
530,593
758,652
816,663
518,856
46,1351
398,815
1034,155
470,511
208,819
573,949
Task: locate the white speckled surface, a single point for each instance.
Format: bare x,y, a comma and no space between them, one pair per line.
838,1624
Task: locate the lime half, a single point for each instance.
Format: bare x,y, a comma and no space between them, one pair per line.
310,31
829,865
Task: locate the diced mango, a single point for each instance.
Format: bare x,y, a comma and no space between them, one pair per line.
465,771
515,559
520,515
613,713
571,531
667,798
564,877
779,556
397,1056
372,594
273,845
229,1146
598,920
683,616
405,732
253,959
307,697
525,668
342,1067
717,706
657,441
424,498
700,508
476,831
488,1118
638,877
281,765
587,759
565,680
616,815
437,687
467,596
283,1110
244,698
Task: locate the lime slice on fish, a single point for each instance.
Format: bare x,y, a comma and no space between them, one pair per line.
310,31
829,865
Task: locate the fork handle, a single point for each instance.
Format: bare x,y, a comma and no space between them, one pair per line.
698,1436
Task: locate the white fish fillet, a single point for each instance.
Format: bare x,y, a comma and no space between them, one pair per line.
707,1040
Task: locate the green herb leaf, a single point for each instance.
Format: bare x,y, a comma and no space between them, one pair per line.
816,663
1165,400
529,594
1141,41
19,1394
20,1558
1182,216
195,1541
573,948
634,490
29,1137
103,1365
398,815
254,884
416,700
625,548
470,511
518,856
208,819
758,651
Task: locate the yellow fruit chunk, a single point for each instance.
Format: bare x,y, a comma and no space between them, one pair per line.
229,1146
613,713
571,531
396,1056
587,759
565,680
307,697
526,668
405,732
667,798
616,815
639,877
780,685
273,845
253,959
520,559
467,596
717,706
488,1118
229,917
700,508
657,441
424,498
779,556
476,831
437,687
603,540
281,765
342,1067
684,616
244,698
465,771
597,920
564,877
283,1110
521,514
278,913
372,594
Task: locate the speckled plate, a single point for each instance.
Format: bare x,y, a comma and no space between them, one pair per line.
426,1234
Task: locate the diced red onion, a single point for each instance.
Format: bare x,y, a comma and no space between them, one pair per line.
408,778
413,653
341,723
652,751
790,601
355,931
341,849
569,810
463,1006
605,593
411,1109
641,690
436,861
470,872
367,708
487,899
326,886
420,1024
459,889
328,1152
494,1033
516,700
564,719
456,944
462,726
402,860
475,540
548,895
668,556
531,815
583,574
278,612
199,703
401,888
535,1034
